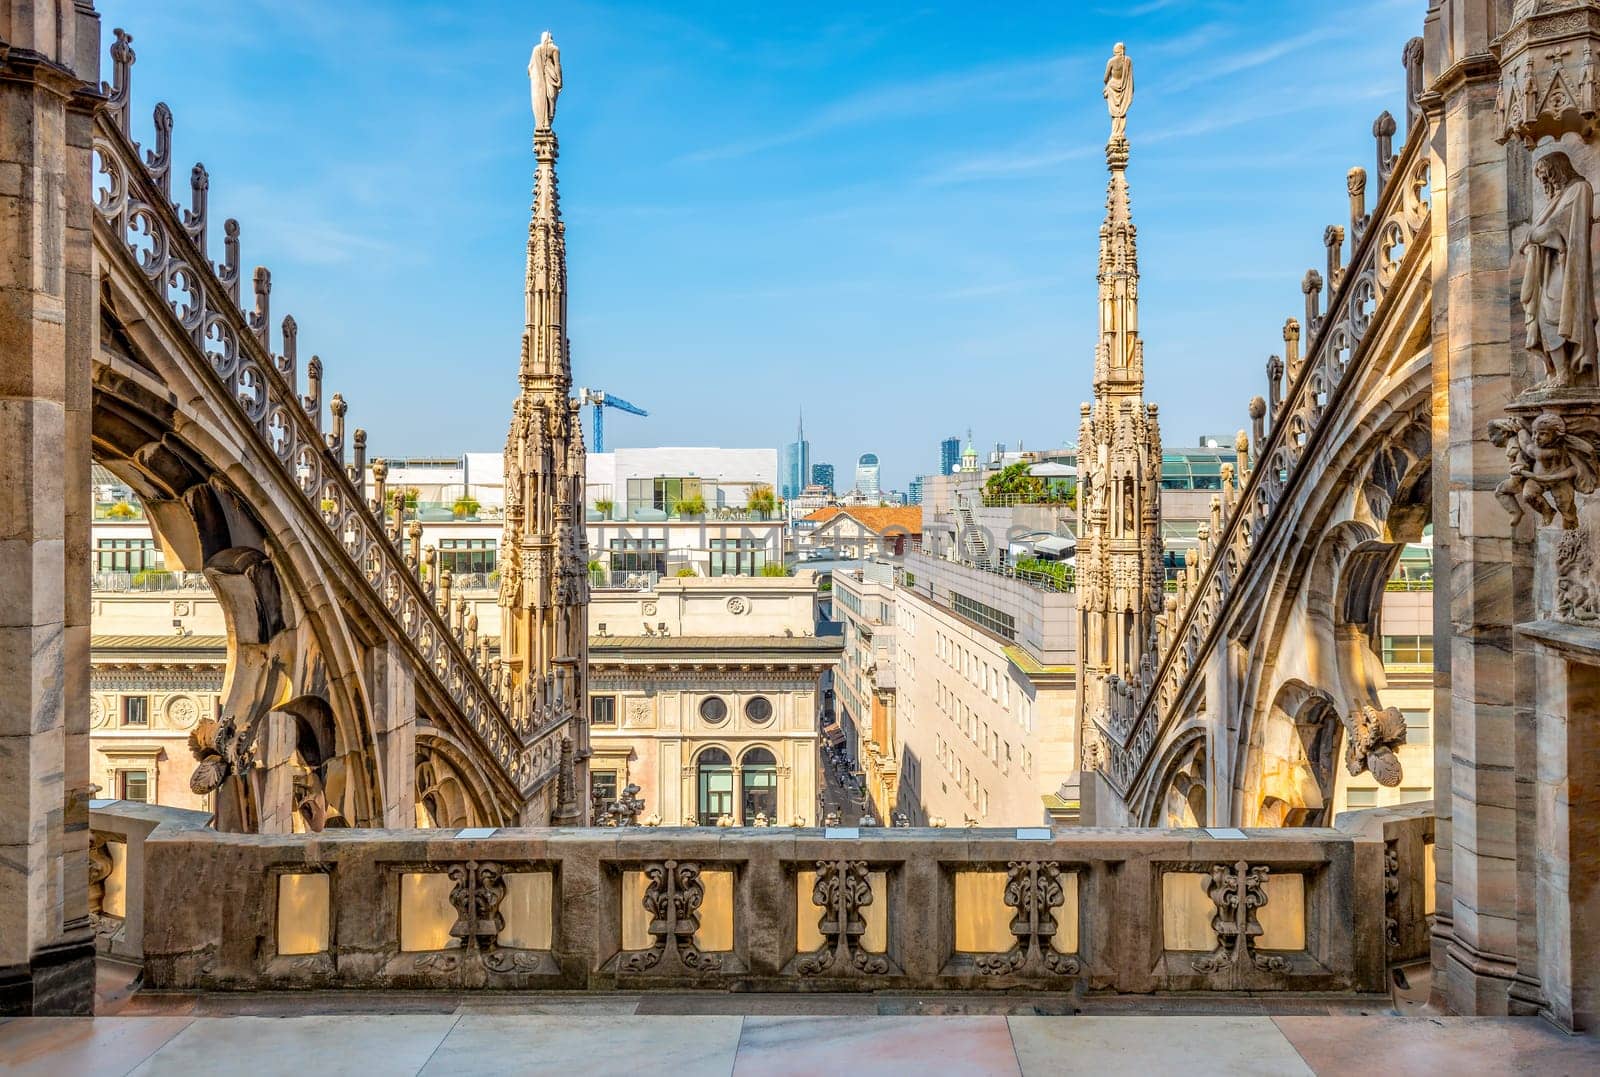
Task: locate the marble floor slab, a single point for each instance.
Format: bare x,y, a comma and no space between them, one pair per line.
364,1046
1458,1046
55,1046
694,1046
1234,1046
804,1046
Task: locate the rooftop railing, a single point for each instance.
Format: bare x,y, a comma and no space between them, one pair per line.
768,909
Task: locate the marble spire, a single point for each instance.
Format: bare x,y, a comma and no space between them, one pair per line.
544,586
1120,576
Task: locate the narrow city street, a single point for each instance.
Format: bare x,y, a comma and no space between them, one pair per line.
838,791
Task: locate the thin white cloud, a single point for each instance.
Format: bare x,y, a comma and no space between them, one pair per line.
1026,80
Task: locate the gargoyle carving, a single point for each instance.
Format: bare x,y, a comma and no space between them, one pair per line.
1371,737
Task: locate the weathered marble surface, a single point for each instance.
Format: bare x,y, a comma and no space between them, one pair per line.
193,941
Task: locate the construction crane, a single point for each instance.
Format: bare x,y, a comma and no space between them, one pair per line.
600,399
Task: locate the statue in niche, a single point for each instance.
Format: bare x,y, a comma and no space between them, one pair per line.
1119,90
1549,466
544,72
1558,284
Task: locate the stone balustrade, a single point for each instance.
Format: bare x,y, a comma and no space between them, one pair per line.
768,909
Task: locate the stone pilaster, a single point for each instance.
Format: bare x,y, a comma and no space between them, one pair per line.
49,77
1477,201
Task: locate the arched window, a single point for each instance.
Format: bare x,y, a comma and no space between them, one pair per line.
714,779
760,786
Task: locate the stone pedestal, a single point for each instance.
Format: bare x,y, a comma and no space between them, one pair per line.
49,71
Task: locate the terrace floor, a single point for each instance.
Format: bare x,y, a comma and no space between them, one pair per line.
615,1035
687,1034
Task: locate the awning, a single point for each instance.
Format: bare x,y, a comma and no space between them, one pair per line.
835,734
1056,546
1049,469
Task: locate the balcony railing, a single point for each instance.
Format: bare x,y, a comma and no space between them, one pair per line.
148,580
1294,910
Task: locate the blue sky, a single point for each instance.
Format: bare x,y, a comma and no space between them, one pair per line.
886,213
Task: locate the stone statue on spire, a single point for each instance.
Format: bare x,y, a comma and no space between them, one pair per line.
1119,90
544,72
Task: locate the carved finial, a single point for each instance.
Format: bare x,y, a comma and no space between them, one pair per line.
1311,285
158,162
194,218
335,439
119,90
1356,184
1291,347
380,476
358,461
1383,131
286,361
312,401
258,319
228,272
1258,413
1333,239
1412,58
1274,384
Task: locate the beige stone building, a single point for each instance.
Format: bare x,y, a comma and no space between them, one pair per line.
957,690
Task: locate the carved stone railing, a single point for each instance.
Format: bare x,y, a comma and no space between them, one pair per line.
1251,509
117,833
1407,833
1292,910
165,247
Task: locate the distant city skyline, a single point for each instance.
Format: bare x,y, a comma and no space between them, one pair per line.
772,200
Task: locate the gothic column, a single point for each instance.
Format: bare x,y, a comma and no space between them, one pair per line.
49,74
1475,203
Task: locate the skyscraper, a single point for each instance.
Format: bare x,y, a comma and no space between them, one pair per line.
914,491
796,469
949,455
867,474
822,475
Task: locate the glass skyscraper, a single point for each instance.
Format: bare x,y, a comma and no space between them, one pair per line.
949,455
822,475
795,469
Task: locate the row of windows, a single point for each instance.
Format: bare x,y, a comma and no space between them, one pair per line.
1368,798
984,616
467,556
713,710
1408,650
965,778
127,555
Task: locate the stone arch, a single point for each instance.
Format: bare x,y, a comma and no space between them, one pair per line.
293,677
448,785
1293,754
1181,798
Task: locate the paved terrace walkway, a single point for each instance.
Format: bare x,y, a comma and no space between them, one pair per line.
688,1035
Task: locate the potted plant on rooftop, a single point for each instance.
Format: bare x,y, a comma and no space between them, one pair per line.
762,501
692,507
604,506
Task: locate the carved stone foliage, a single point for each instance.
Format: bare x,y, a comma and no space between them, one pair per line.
673,899
1578,578
1238,890
1391,893
1372,737
1034,889
476,896
843,888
